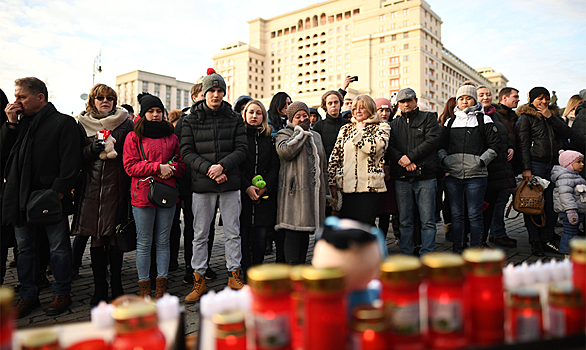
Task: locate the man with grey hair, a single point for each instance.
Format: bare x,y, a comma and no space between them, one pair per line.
41,167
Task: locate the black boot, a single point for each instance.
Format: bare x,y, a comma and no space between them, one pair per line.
99,268
116,258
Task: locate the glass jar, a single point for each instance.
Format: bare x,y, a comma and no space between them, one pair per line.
136,326
6,317
324,304
578,257
525,318
296,297
271,305
230,331
485,295
401,278
566,315
369,328
41,341
446,303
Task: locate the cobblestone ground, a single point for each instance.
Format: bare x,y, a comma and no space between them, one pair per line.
82,287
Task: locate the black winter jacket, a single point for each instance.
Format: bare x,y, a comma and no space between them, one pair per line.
417,135
183,182
211,137
539,139
261,159
578,138
328,129
500,171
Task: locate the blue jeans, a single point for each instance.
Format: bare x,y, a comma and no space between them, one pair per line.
570,232
28,259
497,225
466,194
542,234
153,224
424,192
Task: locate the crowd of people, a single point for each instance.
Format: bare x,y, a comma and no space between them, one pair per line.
273,175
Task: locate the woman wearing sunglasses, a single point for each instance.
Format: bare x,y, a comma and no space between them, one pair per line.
102,193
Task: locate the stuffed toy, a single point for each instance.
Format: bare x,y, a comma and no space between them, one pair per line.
259,182
356,248
109,152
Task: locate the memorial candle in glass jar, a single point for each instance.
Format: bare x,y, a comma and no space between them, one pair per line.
369,329
296,307
566,313
230,330
578,257
137,327
525,318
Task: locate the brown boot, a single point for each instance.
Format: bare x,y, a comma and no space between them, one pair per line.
199,287
161,287
234,280
145,288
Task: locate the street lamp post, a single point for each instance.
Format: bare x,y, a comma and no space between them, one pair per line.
97,66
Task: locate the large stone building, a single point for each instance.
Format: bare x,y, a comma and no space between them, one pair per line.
174,93
389,45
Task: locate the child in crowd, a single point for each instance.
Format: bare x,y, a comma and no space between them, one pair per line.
569,195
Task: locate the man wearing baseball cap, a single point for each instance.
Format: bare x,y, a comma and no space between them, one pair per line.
412,154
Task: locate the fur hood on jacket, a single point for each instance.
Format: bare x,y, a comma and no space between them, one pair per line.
530,110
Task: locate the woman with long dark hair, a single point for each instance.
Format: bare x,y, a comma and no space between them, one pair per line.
278,111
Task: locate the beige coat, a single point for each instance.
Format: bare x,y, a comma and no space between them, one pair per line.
301,196
357,162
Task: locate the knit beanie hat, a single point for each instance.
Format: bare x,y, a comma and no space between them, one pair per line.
148,101
212,80
582,93
467,90
382,103
567,158
296,107
536,92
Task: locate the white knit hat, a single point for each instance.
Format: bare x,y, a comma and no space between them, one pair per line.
467,90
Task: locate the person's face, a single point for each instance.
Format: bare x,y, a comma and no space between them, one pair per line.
347,105
542,101
465,102
214,97
333,105
485,97
104,104
254,116
384,113
299,117
283,110
313,118
199,96
360,113
408,105
578,165
512,100
154,114
131,116
29,102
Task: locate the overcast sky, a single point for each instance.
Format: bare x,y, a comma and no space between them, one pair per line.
532,42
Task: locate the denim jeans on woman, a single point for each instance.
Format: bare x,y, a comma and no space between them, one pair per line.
570,232
542,234
466,194
153,224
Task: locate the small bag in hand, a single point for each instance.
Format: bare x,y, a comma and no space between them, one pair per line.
530,200
126,232
44,208
160,194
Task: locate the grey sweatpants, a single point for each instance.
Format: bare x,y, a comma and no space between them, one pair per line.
204,205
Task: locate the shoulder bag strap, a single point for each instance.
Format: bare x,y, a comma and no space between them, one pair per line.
142,149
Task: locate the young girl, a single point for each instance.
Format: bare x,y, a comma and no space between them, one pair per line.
569,195
258,213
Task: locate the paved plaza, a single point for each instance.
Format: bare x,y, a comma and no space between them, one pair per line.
82,287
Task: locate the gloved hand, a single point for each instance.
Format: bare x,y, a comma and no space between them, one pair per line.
97,146
573,217
305,124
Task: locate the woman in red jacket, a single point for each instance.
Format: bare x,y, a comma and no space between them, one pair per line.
161,162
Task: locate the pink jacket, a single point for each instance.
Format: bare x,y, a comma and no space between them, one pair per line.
157,151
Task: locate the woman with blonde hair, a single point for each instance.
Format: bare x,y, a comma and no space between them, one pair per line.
570,111
356,165
259,205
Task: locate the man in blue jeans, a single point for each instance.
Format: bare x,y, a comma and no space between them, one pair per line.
412,154
43,150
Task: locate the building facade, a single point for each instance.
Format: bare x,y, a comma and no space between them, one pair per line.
389,45
174,93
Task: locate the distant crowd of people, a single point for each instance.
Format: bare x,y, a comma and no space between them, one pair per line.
273,175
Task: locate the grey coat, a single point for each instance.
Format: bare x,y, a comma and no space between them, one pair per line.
570,190
301,195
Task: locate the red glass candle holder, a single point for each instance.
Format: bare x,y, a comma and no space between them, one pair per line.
369,329
230,331
578,257
566,313
525,318
296,297
136,327
6,317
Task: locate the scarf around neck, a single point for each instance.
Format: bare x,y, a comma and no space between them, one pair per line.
156,130
93,122
469,111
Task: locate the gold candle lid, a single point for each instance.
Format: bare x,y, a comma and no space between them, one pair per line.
401,270
6,300
565,294
135,316
323,280
269,279
47,340
368,317
444,267
524,297
484,262
578,250
229,323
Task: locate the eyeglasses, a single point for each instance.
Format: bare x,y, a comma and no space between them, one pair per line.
358,109
108,98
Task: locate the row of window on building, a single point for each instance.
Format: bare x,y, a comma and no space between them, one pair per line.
315,22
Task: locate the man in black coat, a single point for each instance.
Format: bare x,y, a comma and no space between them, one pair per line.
214,144
44,154
578,138
412,154
328,128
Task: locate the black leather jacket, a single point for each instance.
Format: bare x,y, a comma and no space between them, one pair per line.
328,129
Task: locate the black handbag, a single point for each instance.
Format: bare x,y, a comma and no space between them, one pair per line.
126,232
160,194
44,208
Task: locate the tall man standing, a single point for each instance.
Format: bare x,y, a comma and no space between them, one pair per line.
328,128
412,153
45,154
213,144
